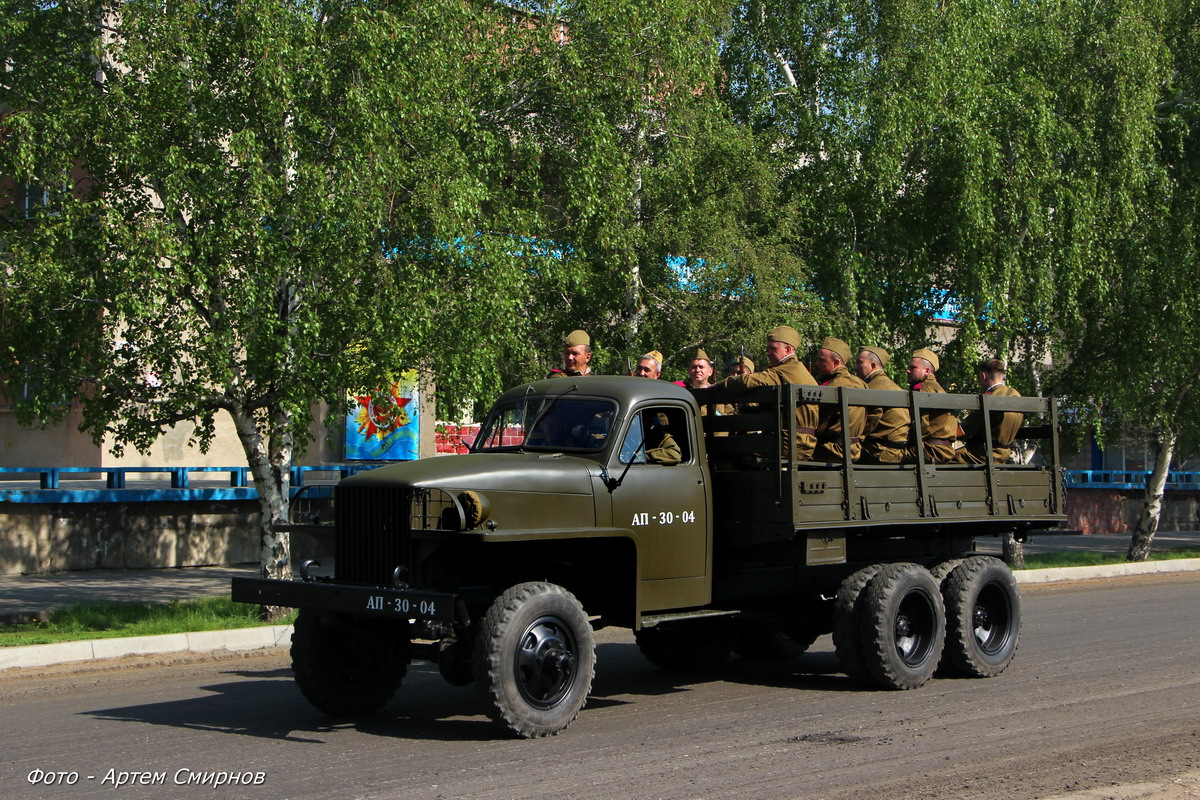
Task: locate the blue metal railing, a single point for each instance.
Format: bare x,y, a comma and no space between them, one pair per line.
117,489
1127,479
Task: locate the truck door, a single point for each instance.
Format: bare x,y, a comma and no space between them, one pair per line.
663,498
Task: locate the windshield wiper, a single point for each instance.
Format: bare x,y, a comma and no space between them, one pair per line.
546,408
609,482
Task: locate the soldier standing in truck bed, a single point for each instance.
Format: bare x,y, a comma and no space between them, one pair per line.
782,344
1005,424
738,365
830,365
885,435
939,428
649,365
577,352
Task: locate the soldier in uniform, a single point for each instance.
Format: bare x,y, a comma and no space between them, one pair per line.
885,434
577,352
741,365
939,428
830,365
1005,424
700,372
649,365
661,447
782,344
738,365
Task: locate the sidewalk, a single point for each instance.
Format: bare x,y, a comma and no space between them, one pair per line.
26,597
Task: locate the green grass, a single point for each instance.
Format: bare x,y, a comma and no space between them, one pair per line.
1090,559
110,620
115,619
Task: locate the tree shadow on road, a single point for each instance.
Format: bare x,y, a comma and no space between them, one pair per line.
266,703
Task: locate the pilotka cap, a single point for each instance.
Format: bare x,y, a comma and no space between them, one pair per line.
785,334
836,345
880,354
929,356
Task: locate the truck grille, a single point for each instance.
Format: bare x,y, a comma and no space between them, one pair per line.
374,529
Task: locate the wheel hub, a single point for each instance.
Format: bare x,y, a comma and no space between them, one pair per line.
546,663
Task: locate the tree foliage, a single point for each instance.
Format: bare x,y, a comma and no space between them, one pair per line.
277,206
1133,365
255,206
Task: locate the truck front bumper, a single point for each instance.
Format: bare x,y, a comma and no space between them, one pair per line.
348,598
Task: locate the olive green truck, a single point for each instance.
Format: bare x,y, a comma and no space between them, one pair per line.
499,564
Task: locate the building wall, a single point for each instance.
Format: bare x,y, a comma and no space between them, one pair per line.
79,536
64,445
1116,511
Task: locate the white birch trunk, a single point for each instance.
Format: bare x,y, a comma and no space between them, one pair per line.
1163,448
270,457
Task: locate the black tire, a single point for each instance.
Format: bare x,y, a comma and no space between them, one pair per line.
847,621
941,570
903,627
700,646
983,618
455,662
346,666
776,640
535,659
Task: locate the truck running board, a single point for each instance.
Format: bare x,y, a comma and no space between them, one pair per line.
650,620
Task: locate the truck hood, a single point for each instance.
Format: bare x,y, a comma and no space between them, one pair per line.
539,473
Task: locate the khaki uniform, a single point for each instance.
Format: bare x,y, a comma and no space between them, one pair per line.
667,452
1005,425
885,435
829,424
789,370
940,428
562,373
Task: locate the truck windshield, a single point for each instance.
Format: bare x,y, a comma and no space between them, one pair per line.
547,423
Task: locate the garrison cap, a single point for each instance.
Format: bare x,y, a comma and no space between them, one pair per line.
657,356
929,356
785,334
742,360
576,338
880,354
700,354
836,345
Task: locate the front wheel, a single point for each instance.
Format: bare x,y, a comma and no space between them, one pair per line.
983,617
535,659
345,666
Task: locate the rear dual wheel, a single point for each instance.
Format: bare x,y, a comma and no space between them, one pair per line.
893,623
983,617
903,627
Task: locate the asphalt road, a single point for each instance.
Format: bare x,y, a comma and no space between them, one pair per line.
1104,693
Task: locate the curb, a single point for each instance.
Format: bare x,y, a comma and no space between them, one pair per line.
240,639
1062,574
237,639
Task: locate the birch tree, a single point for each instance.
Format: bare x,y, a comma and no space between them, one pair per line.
253,207
1134,367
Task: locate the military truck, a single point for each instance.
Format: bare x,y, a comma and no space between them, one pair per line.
499,564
